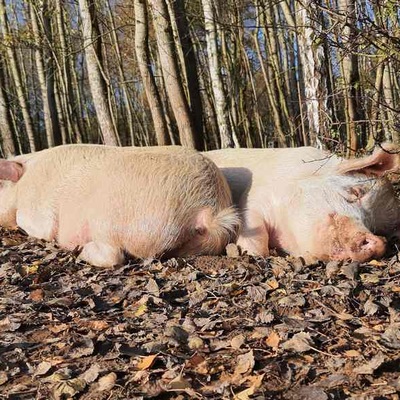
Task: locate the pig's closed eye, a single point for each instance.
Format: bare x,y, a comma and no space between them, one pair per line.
354,194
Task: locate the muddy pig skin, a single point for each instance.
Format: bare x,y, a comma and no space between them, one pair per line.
147,202
310,203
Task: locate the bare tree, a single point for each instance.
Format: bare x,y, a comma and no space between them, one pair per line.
144,63
91,38
170,68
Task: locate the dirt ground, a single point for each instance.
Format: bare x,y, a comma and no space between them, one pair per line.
224,327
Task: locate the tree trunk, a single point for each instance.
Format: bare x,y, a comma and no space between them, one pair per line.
6,132
46,76
220,101
170,68
144,62
96,80
16,74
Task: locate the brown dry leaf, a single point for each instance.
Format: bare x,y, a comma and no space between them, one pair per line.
58,328
3,377
147,362
140,310
107,382
68,388
344,316
395,289
36,295
85,348
179,383
9,324
245,363
91,374
299,343
255,382
352,353
371,366
377,263
10,242
199,364
42,368
97,325
245,394
272,284
29,269
238,341
273,340
232,250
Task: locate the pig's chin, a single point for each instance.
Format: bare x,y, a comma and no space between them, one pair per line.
343,239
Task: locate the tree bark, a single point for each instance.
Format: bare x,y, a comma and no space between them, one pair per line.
96,80
7,143
170,68
220,101
144,62
16,74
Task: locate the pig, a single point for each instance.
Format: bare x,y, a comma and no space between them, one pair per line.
310,203
108,201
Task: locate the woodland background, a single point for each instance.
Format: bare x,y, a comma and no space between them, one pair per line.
205,74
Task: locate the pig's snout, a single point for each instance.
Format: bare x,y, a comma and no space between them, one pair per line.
344,239
369,246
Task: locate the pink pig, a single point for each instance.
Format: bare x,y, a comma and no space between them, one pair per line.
147,202
310,203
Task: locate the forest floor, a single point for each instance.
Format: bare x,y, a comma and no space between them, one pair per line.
224,327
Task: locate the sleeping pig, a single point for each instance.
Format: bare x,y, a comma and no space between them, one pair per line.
147,202
310,203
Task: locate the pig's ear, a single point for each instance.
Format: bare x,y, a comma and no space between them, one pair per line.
10,170
384,159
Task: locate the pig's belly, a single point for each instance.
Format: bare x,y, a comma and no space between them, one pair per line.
39,224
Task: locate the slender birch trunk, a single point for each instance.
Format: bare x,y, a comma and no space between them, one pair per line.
96,80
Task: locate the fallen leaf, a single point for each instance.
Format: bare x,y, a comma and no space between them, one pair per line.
179,383
107,382
238,341
376,263
245,363
272,284
245,394
147,362
299,343
9,324
3,378
91,374
98,325
232,250
58,328
273,340
352,353
42,368
36,295
369,367
68,388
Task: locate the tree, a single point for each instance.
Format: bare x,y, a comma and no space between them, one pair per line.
170,68
91,37
144,63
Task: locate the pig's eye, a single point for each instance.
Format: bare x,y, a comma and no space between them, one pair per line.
354,194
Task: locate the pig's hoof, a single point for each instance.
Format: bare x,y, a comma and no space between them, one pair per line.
101,254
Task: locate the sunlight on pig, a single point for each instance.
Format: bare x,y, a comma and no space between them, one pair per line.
147,202
310,203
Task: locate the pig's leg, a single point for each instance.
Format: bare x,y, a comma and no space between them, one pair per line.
101,254
254,237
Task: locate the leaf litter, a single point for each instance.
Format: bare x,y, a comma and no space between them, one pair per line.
228,327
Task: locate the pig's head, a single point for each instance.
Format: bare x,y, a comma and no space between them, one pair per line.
346,213
10,173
